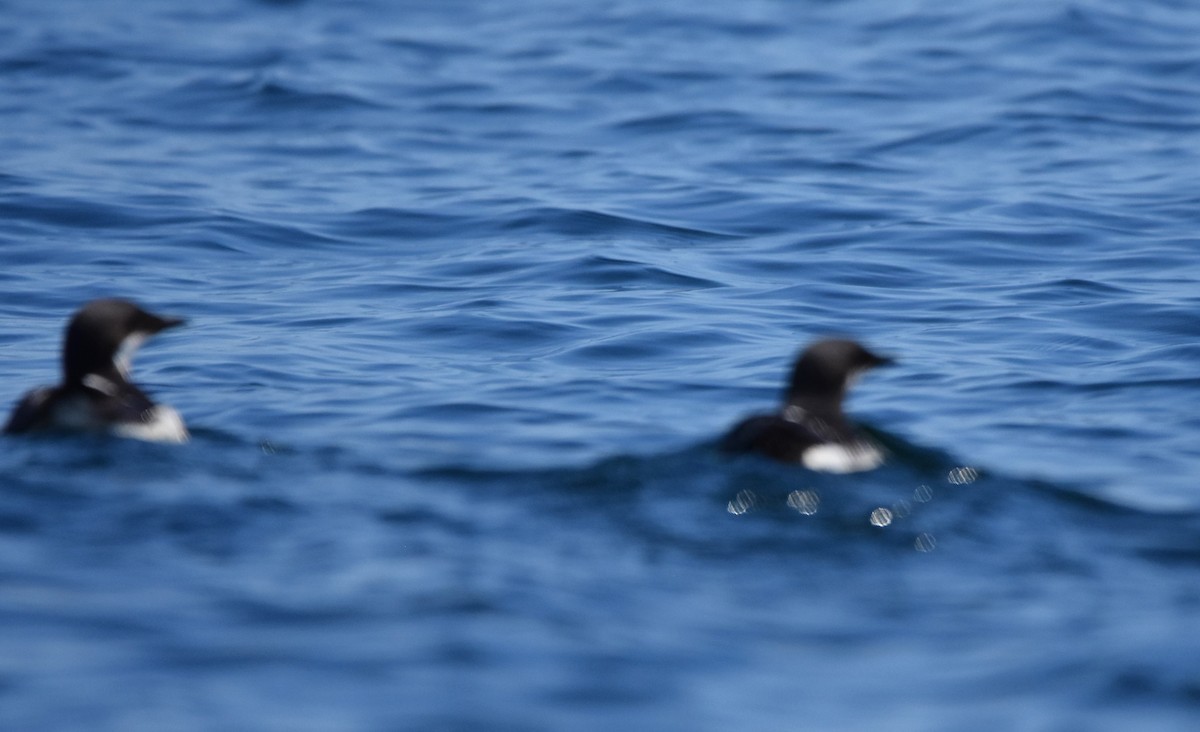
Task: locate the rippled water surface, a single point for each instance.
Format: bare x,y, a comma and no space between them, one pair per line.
473,288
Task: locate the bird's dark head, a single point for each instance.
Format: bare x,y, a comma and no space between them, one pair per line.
825,369
103,335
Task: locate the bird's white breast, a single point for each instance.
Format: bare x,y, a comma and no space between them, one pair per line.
162,424
836,457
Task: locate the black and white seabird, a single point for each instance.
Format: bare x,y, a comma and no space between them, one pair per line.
96,393
810,428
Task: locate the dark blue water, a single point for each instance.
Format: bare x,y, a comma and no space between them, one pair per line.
474,287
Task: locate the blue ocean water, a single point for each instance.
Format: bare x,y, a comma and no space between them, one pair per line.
472,290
